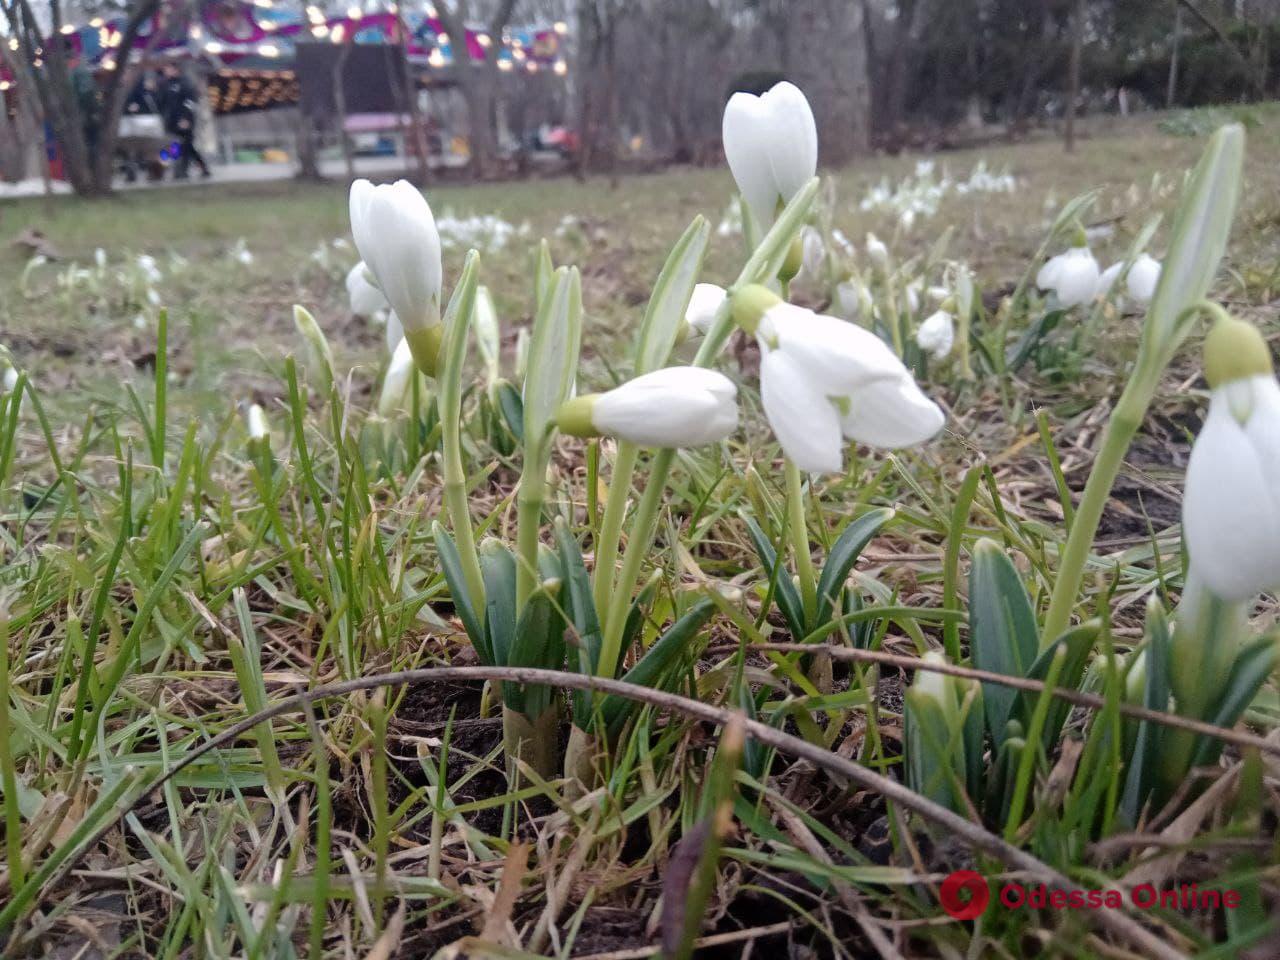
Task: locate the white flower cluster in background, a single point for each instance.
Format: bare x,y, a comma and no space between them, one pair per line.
918,196
484,232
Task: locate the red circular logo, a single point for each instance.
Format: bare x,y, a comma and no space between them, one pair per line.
965,894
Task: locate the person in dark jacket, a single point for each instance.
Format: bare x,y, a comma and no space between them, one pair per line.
144,101
178,106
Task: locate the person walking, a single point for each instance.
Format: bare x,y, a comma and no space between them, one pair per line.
178,101
140,127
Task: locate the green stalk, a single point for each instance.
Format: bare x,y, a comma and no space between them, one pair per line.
798,531
1123,424
642,532
12,815
528,524
615,512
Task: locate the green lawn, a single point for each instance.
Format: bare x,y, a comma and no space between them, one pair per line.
162,579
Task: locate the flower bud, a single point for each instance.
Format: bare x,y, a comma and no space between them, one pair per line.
396,235
671,407
771,144
937,335
317,344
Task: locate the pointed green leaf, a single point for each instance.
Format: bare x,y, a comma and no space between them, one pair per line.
498,569
451,564
670,297
1003,636
844,554
788,598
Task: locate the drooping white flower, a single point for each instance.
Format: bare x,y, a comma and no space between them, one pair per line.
937,335
815,252
10,376
1073,276
365,299
1231,506
877,251
704,304
671,407
394,332
912,295
1143,277
771,143
849,299
823,380
1107,279
396,235
256,420
395,385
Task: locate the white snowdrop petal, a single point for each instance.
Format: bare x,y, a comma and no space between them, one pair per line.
802,418
892,415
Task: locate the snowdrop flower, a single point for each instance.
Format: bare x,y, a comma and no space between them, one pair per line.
1231,507
1143,277
1073,276
100,258
318,351
822,380
671,407
396,235
255,419
815,253
704,304
912,294
937,335
849,299
394,333
877,251
771,143
366,300
1107,279
149,269
395,385
10,376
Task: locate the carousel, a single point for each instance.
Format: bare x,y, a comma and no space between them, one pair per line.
252,56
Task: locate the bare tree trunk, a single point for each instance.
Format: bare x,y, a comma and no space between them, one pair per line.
411,100
1171,93
1073,75
340,108
120,82
477,82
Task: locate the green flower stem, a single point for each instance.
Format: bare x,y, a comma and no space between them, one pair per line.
642,532
1125,420
615,512
1123,424
756,270
798,531
533,481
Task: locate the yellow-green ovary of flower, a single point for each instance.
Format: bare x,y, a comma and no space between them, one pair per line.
396,235
1231,506
671,407
823,380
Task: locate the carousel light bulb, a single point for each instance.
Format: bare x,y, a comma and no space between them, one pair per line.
483,39
213,47
320,31
68,28
96,22
561,68
532,67
354,13
269,50
504,65
442,38
338,34
561,27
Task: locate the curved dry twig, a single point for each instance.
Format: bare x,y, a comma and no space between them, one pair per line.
1119,923
1239,738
